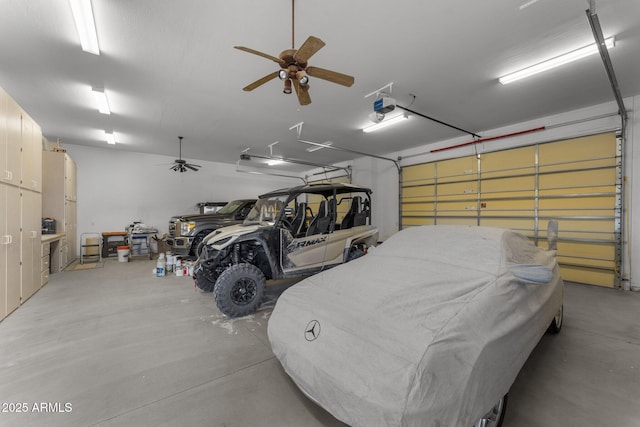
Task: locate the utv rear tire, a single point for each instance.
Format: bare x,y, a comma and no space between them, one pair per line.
239,290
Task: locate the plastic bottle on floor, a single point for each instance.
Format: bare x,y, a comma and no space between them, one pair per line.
160,267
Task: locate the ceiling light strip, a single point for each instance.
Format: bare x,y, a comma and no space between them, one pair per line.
552,63
101,100
385,123
110,136
85,24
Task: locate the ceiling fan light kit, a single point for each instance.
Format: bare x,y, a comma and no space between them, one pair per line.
294,69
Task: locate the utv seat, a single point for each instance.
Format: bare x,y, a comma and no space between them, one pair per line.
298,221
348,220
326,224
322,212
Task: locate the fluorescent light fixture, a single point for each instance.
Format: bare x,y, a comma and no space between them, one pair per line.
555,62
274,162
383,124
101,100
111,138
86,26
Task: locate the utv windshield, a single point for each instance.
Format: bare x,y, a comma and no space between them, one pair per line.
266,210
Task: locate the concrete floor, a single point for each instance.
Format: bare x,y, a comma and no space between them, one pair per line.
116,346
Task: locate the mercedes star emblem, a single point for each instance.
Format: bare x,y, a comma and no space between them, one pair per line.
312,331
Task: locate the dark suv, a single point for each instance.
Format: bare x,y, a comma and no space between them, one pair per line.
187,231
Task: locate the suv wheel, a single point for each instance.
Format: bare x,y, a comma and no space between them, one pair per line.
239,290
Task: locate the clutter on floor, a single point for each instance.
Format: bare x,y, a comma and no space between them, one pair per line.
173,264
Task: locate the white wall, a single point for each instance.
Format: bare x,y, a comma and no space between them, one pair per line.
117,187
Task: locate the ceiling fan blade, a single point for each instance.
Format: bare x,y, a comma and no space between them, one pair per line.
310,46
302,92
332,76
264,55
191,167
260,82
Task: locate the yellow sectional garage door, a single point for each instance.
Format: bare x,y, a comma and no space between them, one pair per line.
577,182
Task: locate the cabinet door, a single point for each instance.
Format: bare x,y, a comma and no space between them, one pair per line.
3,249
30,247
12,172
31,154
13,247
36,158
71,228
70,178
3,138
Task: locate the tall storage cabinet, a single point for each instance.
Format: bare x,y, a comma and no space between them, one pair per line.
59,202
20,205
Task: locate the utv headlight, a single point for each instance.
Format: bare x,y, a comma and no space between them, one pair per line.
186,227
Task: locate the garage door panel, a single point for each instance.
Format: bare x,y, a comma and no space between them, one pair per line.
443,220
509,162
423,191
457,169
458,188
600,203
577,149
518,183
489,205
592,191
422,172
595,252
524,225
589,276
577,179
414,221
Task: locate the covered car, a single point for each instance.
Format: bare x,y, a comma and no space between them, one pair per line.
429,328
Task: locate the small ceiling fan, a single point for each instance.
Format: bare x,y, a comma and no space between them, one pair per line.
182,166
294,70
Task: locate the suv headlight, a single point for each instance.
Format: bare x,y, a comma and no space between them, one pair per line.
186,227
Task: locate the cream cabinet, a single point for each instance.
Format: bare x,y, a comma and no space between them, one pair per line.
20,205
59,202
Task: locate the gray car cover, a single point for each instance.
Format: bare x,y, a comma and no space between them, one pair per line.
428,329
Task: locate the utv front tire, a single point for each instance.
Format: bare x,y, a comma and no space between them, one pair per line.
239,290
203,281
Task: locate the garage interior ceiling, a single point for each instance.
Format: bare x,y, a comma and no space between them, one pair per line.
169,69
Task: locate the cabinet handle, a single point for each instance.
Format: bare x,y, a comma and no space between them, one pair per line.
34,183
6,240
34,234
8,175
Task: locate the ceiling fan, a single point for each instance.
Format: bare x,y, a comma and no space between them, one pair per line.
294,70
182,166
